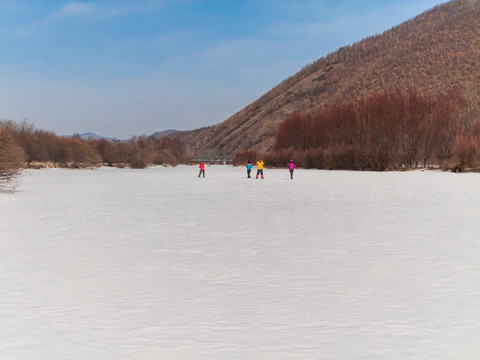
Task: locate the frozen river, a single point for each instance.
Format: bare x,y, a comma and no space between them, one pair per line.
159,264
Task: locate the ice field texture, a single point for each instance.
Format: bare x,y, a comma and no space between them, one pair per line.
160,264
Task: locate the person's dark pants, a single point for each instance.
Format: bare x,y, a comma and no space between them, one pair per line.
201,172
291,174
248,173
260,172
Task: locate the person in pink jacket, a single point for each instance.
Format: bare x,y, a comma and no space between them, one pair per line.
291,167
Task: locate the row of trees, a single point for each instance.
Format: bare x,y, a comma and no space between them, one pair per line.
40,146
242,157
387,131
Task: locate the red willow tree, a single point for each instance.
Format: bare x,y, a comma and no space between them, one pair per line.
385,131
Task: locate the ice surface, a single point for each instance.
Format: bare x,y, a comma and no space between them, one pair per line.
159,264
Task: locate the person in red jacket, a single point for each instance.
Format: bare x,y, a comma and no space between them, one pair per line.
202,170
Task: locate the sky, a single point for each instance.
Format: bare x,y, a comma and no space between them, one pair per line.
119,68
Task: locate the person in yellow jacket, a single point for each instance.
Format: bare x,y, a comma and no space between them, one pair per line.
260,168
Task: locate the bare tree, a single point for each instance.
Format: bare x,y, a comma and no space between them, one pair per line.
12,158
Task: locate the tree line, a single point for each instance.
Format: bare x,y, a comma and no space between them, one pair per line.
391,130
22,145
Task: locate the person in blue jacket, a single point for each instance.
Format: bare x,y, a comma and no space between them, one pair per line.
249,169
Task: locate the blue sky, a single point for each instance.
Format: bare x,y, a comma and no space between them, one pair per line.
120,68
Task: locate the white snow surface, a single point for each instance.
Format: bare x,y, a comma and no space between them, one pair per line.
160,264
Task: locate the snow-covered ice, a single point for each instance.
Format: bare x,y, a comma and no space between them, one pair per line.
159,264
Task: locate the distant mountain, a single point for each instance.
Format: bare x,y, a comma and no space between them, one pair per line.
92,136
431,52
160,134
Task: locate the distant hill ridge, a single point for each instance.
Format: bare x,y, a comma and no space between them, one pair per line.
431,52
159,134
93,136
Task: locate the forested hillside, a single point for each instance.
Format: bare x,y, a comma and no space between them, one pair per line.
429,53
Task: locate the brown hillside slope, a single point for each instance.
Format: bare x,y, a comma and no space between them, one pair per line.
432,51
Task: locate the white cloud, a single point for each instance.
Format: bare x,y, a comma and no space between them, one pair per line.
74,9
109,9
239,49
